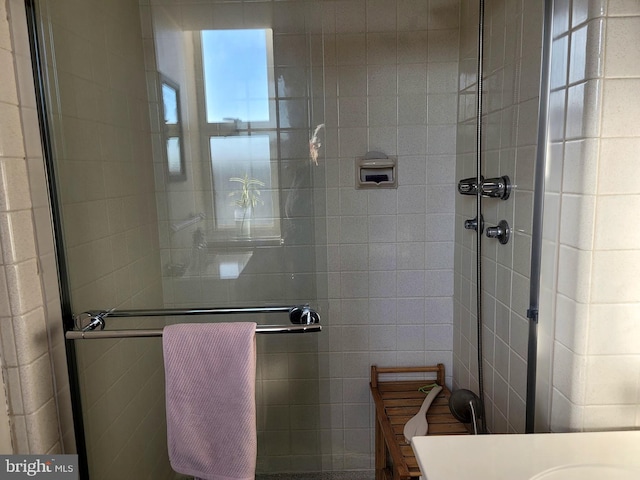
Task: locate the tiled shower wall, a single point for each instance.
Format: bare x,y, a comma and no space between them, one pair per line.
390,86
512,50
33,361
98,98
593,192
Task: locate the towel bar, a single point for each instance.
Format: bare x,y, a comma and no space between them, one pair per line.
298,314
80,335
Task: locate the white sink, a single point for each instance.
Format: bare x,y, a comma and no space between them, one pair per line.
550,456
588,472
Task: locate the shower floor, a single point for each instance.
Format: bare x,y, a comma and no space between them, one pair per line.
360,475
355,475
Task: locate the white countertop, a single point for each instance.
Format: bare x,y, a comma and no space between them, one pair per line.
546,456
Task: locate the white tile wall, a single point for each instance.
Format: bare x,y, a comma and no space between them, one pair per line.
510,126
392,87
38,409
596,269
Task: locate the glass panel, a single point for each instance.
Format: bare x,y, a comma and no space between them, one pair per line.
156,243
236,74
174,162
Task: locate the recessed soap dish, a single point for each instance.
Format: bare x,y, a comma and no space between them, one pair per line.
376,170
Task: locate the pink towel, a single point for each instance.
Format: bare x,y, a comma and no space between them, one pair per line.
210,371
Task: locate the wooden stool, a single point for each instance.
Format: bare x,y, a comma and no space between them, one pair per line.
396,402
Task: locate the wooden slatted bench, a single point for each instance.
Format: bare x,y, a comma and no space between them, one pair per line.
396,402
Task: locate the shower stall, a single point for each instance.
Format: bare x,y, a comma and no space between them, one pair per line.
202,153
186,156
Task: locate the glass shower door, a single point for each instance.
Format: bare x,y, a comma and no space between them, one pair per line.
184,183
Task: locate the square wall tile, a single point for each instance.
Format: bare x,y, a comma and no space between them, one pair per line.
577,221
18,243
580,171
42,428
575,273
614,329
8,94
566,416
381,16
14,183
383,284
31,336
23,282
616,275
443,45
382,79
442,77
37,385
612,379
412,47
623,8
572,324
611,210
583,110
569,374
443,14
618,156
351,16
413,15
623,47
619,115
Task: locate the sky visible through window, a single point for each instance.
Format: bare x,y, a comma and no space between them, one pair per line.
170,99
236,75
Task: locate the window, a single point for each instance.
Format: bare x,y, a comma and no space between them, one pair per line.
242,176
239,97
237,74
172,130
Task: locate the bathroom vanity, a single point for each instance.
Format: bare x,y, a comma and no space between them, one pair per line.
550,456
